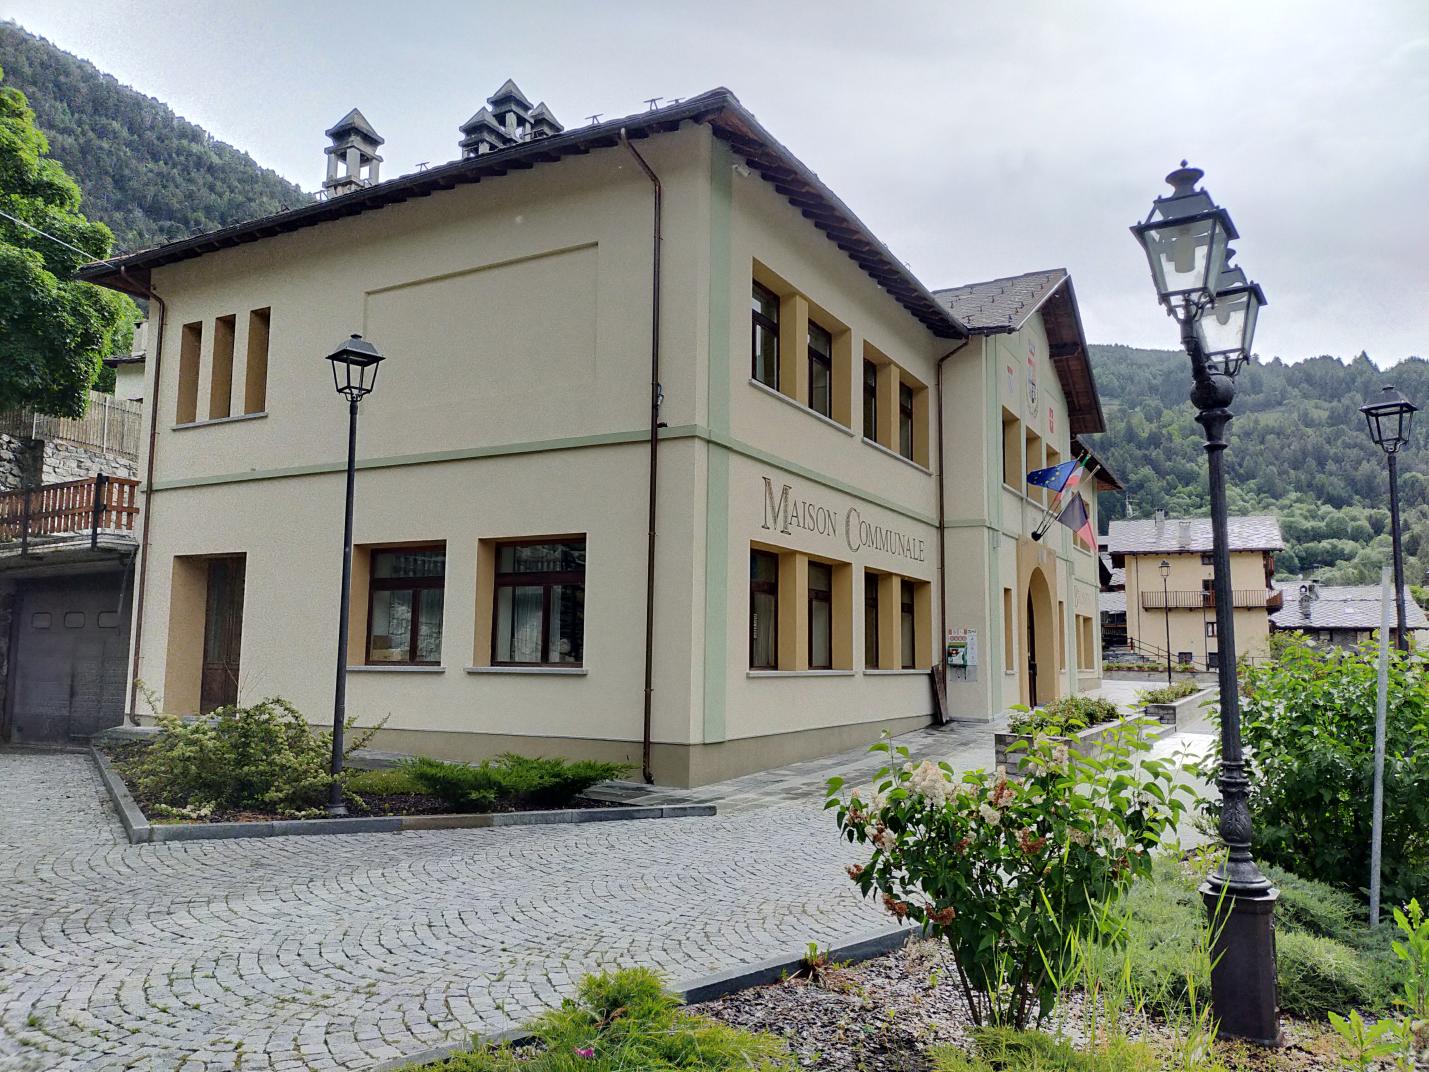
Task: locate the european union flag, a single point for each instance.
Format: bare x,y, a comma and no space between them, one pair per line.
1054,477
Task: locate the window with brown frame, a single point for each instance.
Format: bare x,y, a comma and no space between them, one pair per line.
539,612
406,590
905,421
907,626
821,616
765,342
870,401
763,610
821,370
870,620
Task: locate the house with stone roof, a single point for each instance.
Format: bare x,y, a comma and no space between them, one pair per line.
1343,615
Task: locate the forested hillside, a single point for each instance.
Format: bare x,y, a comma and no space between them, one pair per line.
1299,449
149,174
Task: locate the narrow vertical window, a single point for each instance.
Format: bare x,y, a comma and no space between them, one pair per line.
905,421
540,603
870,620
255,385
763,610
907,625
821,616
220,386
1007,654
189,346
406,596
870,401
821,370
765,353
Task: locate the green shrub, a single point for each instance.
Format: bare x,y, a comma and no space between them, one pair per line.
1001,1049
1316,908
261,757
1063,716
1168,693
623,1022
510,779
1319,975
1308,719
384,782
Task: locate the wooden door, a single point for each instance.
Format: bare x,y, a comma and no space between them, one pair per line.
1031,653
222,633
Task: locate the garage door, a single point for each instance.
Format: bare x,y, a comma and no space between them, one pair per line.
67,666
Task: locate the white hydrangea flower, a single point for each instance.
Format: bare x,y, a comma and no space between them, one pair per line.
989,814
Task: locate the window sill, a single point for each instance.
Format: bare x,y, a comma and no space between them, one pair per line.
218,420
558,671
799,673
896,671
801,407
894,454
395,668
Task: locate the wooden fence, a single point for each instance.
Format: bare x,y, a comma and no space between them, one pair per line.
110,424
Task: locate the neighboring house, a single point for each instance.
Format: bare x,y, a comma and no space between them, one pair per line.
819,411
1111,601
1343,615
1183,602
68,503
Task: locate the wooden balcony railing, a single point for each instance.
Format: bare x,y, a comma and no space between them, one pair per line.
100,504
1241,598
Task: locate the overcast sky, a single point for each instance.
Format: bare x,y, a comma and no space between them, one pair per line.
976,139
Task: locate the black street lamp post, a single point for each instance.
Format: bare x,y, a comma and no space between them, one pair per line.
1165,569
1389,423
1186,238
354,374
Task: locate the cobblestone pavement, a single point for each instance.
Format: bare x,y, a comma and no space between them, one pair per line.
339,952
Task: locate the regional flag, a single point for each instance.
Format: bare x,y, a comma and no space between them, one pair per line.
1057,477
1077,518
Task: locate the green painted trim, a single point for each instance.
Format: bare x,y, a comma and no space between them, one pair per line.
717,399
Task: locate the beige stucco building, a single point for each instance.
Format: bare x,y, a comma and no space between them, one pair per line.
505,464
1182,602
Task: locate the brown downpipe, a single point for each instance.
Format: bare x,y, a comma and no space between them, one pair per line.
942,533
153,401
645,770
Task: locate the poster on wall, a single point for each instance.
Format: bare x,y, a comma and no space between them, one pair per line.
962,648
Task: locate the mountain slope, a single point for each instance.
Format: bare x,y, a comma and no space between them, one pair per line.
150,175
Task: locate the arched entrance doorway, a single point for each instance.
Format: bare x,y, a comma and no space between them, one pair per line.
1032,697
1040,676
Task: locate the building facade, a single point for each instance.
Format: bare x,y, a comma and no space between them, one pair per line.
1181,604
510,465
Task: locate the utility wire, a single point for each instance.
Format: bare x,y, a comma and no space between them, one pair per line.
60,241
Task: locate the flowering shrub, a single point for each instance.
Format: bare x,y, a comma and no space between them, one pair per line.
1012,876
1063,716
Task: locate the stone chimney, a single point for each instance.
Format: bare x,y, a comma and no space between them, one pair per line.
352,160
1185,533
506,119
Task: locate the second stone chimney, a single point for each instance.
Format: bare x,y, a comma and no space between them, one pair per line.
352,160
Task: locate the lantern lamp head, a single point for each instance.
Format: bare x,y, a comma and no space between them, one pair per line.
1185,238
1226,327
354,367
1165,569
1389,420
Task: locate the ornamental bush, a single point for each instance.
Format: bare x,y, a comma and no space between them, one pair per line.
1168,693
509,780
1307,720
1063,716
1013,876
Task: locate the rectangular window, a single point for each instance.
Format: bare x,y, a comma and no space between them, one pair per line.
1008,662
1061,635
907,626
1011,451
763,610
905,421
870,620
405,597
821,616
765,352
540,603
821,370
1210,629
255,384
870,401
1207,560
190,345
220,387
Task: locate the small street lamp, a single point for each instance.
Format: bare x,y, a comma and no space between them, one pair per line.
1165,569
1389,422
1186,239
354,374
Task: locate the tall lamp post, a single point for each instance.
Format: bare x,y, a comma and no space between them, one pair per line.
354,374
1165,569
1186,239
1389,423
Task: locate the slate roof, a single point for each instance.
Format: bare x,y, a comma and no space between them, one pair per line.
1001,304
354,120
1148,536
1111,602
1341,607
1117,574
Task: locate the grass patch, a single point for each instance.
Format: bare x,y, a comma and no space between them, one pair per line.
1001,1049
623,1021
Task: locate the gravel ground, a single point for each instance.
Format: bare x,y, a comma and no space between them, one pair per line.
883,1014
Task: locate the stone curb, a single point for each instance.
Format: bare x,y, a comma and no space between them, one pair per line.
136,826
140,831
703,988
